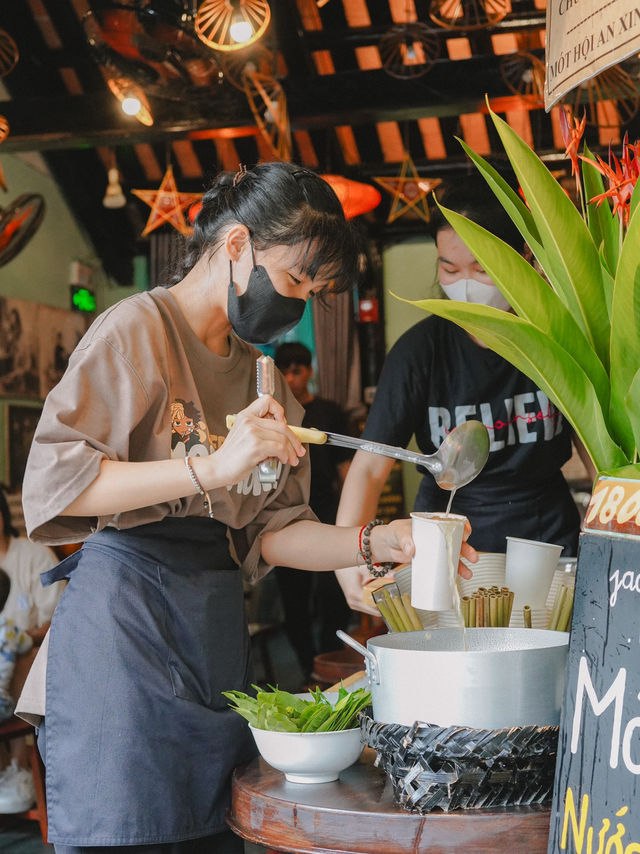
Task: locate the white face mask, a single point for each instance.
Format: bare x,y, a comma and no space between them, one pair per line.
470,290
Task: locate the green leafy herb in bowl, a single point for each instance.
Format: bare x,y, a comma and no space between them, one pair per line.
282,711
310,740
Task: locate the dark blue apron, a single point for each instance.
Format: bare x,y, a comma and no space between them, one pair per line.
140,743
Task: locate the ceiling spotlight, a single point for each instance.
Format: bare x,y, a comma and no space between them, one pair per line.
114,197
132,99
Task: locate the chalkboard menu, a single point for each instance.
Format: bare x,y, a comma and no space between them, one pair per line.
596,806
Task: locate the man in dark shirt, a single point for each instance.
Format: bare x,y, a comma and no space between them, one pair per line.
307,596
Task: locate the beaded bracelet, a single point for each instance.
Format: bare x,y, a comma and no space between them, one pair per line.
364,549
206,501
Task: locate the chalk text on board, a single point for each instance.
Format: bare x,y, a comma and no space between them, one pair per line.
620,741
581,833
629,581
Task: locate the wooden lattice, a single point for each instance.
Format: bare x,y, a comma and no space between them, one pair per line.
524,75
468,14
613,89
9,53
268,104
214,19
408,50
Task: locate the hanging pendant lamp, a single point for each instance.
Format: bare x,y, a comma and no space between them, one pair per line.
355,197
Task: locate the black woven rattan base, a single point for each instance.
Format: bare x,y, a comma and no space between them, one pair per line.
448,768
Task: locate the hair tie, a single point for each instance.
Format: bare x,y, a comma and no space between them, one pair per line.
242,171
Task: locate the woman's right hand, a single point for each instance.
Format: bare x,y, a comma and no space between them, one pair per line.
259,433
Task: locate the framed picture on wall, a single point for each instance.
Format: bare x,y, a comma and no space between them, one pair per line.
21,422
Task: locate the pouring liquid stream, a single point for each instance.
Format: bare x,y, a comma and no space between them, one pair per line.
453,574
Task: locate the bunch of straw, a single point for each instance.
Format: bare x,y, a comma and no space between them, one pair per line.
396,609
560,620
487,607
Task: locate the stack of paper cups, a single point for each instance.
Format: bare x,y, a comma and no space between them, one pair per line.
437,538
529,570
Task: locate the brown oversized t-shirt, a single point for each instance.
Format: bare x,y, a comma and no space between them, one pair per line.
141,386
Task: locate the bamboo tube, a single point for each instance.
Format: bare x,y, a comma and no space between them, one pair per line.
387,616
510,606
486,610
493,610
564,620
557,604
464,607
479,611
414,619
526,613
500,599
557,608
472,610
394,603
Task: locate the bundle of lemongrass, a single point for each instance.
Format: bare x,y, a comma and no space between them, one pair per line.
487,607
396,609
560,619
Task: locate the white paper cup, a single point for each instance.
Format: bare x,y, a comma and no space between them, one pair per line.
434,566
529,571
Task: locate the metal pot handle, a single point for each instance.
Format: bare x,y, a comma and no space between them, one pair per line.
371,662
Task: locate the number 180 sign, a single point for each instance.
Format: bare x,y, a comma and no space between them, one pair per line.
614,507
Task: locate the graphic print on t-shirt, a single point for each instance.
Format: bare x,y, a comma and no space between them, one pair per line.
191,437
516,421
189,434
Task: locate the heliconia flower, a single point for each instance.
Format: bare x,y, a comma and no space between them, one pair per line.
622,176
572,132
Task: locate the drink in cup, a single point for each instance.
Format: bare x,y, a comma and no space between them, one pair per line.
434,566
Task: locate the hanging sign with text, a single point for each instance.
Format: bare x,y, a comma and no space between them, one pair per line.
596,802
583,38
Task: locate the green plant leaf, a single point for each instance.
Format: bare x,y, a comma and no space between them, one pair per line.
635,199
511,202
625,339
602,224
573,264
531,297
630,472
632,404
538,356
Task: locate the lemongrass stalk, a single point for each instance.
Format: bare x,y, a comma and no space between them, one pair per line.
395,605
387,616
555,614
411,612
564,620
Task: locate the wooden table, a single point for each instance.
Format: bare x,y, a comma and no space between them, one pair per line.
356,815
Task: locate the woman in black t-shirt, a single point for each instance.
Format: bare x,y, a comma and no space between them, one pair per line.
437,376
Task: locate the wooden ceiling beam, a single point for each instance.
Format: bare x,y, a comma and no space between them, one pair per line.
349,98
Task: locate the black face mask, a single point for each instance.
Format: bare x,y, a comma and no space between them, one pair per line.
261,314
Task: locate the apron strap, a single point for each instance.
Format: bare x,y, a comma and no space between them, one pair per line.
61,570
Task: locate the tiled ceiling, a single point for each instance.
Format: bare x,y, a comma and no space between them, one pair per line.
347,112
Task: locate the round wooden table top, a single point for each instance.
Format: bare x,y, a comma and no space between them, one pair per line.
356,815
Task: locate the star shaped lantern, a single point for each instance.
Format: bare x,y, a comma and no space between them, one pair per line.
409,191
167,205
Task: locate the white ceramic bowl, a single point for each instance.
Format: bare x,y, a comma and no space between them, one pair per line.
309,757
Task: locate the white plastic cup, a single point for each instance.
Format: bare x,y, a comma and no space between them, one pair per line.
434,566
530,566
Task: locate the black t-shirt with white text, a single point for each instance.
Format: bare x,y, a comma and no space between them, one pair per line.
436,377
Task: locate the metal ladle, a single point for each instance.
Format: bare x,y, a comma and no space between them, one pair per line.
460,457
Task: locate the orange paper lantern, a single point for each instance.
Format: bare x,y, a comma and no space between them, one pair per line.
355,197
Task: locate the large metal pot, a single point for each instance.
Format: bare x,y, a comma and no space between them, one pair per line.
503,678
